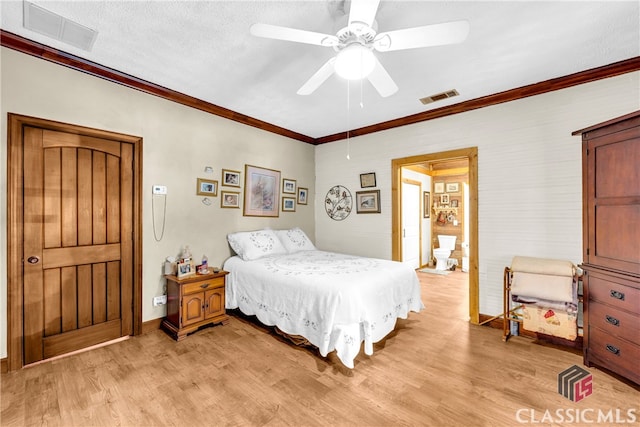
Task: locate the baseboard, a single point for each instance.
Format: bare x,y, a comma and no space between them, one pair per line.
491,321
4,365
151,325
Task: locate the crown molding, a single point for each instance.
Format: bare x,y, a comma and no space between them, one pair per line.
29,47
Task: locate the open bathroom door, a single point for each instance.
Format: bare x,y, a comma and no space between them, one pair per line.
411,224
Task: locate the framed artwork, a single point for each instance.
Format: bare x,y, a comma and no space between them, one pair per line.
261,191
368,201
230,178
289,186
426,204
207,187
444,199
288,204
452,187
368,179
303,193
229,199
454,203
438,187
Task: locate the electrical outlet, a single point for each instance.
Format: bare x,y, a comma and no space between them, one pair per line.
160,300
159,189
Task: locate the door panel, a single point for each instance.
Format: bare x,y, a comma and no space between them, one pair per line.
411,224
77,207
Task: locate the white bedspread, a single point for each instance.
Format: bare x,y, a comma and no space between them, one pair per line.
335,301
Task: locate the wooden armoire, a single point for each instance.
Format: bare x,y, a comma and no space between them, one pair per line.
611,245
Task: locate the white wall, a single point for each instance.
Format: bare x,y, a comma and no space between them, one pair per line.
178,142
529,175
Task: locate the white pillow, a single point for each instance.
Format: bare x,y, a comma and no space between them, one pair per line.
295,240
250,245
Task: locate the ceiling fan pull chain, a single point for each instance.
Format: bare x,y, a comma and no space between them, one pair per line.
348,118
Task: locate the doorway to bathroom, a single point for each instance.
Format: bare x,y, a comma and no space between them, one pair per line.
442,176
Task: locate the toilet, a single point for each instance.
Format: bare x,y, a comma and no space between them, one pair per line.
441,254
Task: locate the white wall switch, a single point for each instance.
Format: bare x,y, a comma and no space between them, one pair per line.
159,189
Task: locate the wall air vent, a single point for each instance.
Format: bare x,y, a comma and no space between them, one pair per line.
57,27
439,96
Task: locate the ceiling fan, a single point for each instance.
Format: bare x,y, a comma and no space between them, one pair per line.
355,43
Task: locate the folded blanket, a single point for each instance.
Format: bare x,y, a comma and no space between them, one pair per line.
552,267
543,286
550,322
569,307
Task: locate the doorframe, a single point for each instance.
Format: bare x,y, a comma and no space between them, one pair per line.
419,185
15,223
396,202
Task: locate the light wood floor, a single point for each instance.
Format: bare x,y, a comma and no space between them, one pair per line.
435,370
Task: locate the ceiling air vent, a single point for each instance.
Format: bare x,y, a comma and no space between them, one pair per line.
439,96
57,27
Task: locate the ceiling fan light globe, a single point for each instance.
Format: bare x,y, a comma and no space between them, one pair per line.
354,62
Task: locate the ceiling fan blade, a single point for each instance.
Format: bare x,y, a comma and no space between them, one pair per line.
429,35
363,12
318,78
382,81
293,35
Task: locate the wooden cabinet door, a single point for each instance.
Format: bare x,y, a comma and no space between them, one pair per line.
192,308
78,242
214,302
613,200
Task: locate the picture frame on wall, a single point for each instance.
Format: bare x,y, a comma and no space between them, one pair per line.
444,199
303,195
367,180
261,191
207,187
452,187
438,187
368,201
230,199
288,204
454,203
426,201
230,178
289,186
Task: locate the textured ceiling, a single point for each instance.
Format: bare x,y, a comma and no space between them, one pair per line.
204,49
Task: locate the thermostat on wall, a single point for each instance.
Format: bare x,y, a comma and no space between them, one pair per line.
159,189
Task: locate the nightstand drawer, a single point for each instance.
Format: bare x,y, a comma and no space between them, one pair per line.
615,322
203,285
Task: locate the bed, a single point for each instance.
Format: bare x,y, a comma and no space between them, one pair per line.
335,301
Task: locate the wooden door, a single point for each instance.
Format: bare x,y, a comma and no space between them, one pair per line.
77,242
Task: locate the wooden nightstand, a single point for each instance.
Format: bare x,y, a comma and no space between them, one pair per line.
194,302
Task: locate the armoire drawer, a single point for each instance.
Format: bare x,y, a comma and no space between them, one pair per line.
615,322
609,290
620,355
